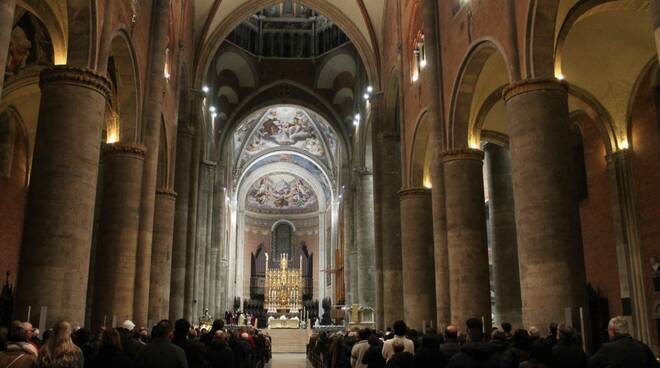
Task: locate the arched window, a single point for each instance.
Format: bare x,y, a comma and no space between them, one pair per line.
282,240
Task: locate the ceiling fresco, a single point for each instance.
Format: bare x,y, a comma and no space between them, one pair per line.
284,127
281,192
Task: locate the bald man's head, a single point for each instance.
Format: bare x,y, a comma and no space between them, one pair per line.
451,332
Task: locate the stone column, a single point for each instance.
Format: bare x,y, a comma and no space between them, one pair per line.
502,236
389,164
350,250
547,222
7,8
161,256
54,264
203,243
631,265
152,120
433,85
182,187
191,247
114,274
366,252
466,236
417,256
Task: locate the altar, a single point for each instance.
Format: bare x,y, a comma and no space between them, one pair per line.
283,322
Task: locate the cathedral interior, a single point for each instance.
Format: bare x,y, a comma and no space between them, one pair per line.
423,160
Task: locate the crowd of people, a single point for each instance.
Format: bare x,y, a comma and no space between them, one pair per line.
401,347
175,345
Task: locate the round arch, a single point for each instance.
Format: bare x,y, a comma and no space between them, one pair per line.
124,73
213,42
461,116
419,160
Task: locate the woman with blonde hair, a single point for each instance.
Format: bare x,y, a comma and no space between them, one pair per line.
59,350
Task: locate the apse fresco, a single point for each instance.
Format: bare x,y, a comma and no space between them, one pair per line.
281,192
302,162
285,127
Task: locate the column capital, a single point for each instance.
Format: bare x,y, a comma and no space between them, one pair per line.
620,155
77,76
414,192
166,193
185,130
362,171
134,150
532,85
462,154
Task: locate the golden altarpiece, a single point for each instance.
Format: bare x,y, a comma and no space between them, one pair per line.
284,287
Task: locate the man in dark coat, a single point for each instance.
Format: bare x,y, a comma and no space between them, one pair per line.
476,353
567,352
160,352
450,346
429,355
194,349
219,355
622,351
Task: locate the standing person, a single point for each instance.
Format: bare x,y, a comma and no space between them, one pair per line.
129,344
429,355
622,351
450,346
400,357
373,357
14,355
567,352
519,350
400,330
60,351
219,355
475,353
160,352
110,354
540,356
194,350
217,325
360,348
551,339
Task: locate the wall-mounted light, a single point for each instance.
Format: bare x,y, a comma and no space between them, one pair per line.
205,89
624,144
366,96
370,89
560,76
415,77
212,109
422,63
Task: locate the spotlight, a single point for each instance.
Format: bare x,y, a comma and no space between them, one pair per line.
415,77
422,63
370,89
358,117
212,109
366,96
205,89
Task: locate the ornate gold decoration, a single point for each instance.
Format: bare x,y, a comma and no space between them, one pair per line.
283,287
77,76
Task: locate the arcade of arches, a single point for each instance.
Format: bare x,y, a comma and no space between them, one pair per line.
427,160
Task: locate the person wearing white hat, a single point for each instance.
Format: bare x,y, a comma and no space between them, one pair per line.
129,345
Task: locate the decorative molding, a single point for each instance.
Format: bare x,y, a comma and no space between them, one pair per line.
462,154
166,192
533,85
414,192
135,150
76,76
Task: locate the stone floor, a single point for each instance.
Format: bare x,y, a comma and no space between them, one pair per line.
288,360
